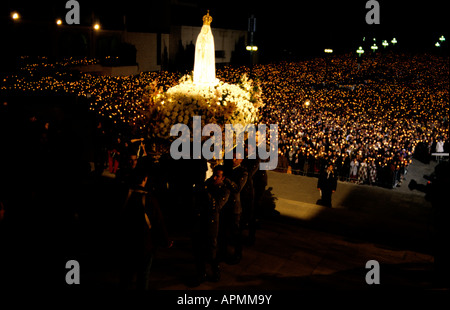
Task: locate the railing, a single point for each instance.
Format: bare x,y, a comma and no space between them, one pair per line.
386,182
439,156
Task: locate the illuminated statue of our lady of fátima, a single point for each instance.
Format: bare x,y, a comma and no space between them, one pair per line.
204,63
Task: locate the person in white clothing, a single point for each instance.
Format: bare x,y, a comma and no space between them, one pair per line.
440,146
354,170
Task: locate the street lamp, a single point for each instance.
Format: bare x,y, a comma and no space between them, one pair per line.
95,29
437,44
394,41
385,43
374,47
253,48
15,16
59,22
442,39
327,51
360,51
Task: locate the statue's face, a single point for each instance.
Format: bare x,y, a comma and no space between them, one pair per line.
204,30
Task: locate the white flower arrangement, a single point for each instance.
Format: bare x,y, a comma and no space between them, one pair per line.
220,104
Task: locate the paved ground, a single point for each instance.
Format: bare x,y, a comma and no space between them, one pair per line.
309,246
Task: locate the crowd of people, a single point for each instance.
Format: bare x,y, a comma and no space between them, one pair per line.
221,201
367,120
216,204
368,116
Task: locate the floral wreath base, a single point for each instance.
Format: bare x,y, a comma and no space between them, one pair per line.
219,104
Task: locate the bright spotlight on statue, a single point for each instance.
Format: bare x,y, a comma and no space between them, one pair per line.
204,62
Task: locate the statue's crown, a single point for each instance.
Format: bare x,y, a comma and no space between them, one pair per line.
207,19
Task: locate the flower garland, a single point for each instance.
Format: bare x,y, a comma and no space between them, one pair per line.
220,104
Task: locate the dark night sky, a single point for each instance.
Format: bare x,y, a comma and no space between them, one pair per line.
281,24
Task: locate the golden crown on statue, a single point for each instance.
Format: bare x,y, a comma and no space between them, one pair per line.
207,19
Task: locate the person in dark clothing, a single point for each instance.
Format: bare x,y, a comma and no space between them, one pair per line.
209,201
129,169
327,184
2,211
236,177
345,173
115,153
260,181
100,149
248,195
143,231
436,193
